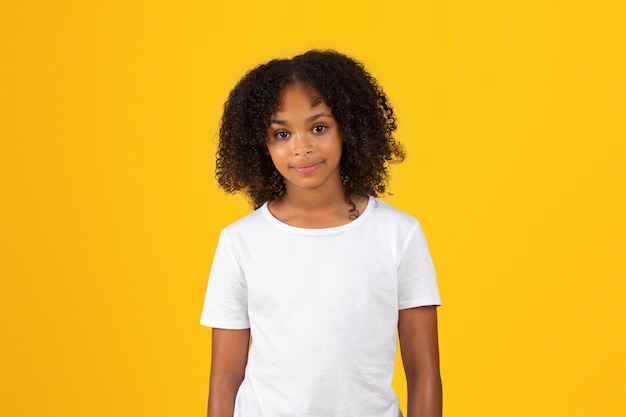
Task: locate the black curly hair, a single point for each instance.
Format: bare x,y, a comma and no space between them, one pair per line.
359,105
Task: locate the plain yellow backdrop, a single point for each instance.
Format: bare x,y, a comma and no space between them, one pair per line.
513,115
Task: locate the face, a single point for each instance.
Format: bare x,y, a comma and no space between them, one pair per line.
304,141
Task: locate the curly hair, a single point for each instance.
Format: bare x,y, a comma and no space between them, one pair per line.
358,103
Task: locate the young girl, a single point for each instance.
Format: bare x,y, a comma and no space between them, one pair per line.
307,294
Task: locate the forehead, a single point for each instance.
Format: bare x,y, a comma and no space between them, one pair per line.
299,93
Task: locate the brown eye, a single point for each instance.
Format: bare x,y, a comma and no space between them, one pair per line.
281,134
319,128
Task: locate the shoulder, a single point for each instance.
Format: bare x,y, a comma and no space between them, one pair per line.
247,224
389,215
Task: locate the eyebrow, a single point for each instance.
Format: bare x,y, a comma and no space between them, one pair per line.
310,119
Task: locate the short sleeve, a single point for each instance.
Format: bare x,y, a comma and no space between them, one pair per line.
417,281
226,300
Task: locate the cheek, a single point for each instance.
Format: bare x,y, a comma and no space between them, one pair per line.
275,156
338,148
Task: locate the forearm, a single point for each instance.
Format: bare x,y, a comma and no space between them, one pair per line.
221,399
424,396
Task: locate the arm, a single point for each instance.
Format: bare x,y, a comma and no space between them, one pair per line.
229,357
417,329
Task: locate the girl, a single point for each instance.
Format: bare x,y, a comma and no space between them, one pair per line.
306,293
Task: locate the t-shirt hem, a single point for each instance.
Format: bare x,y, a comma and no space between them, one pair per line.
216,324
419,303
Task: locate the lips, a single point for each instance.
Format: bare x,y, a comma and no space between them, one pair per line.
307,167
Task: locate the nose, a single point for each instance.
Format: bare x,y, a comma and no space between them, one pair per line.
302,144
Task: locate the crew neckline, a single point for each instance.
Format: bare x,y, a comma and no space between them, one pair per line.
371,204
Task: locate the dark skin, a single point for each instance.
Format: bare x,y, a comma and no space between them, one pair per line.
317,199
417,328
229,357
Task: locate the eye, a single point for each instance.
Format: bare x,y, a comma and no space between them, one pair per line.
281,134
319,128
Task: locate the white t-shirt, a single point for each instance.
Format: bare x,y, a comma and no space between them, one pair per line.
322,306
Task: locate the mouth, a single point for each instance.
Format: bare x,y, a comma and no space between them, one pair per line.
306,168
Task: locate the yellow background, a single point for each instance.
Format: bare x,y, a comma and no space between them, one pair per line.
513,117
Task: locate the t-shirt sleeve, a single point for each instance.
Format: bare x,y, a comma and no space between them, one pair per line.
226,300
417,281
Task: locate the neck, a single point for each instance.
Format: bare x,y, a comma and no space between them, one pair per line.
313,208
314,200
